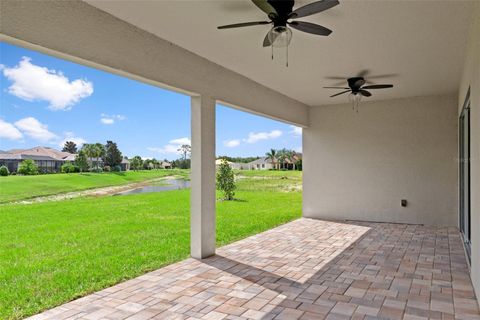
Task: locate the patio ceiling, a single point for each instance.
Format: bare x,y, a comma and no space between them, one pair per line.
422,42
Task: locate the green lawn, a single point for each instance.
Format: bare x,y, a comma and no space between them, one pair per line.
53,252
15,188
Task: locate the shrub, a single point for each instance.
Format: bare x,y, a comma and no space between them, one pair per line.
13,173
226,180
28,167
107,169
68,167
4,171
117,168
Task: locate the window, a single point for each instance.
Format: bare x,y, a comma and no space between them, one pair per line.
464,172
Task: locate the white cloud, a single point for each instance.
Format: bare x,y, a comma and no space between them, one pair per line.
70,136
35,129
296,131
231,143
31,82
172,146
181,141
110,119
255,137
107,121
299,149
8,131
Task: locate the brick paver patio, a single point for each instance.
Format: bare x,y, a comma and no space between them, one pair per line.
306,269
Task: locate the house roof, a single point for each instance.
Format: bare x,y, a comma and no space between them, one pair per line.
42,152
261,161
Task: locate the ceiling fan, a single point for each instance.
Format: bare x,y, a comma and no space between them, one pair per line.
282,16
357,88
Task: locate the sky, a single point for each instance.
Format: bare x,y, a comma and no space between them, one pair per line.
46,101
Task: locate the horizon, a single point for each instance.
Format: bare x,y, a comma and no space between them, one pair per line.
46,101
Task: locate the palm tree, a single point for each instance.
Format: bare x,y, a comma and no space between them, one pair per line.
282,156
272,155
89,150
185,149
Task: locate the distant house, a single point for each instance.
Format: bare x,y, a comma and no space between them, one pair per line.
47,159
166,165
233,165
261,164
125,164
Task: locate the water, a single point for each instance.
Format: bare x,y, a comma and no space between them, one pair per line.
174,184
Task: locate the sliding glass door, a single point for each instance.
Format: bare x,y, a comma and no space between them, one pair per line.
464,156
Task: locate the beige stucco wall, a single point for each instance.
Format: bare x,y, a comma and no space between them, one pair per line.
360,165
471,78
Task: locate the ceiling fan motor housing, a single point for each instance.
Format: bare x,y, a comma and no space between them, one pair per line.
355,84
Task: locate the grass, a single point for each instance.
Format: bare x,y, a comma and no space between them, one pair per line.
53,252
16,188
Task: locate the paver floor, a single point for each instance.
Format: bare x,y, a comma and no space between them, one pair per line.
306,269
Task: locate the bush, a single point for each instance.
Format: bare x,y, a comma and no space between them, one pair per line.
107,169
226,180
96,170
13,173
4,171
28,167
68,167
117,168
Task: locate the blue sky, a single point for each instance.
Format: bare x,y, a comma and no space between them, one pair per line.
46,101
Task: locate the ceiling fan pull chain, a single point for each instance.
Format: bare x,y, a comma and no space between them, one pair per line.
272,50
287,56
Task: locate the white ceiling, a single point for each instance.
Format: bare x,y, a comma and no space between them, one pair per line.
422,42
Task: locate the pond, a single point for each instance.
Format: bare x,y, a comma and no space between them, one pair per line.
172,184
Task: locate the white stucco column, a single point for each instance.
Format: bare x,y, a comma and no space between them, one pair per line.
202,211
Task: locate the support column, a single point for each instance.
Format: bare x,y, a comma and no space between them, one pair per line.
203,197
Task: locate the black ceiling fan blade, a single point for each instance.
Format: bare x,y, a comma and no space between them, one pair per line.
378,86
363,73
380,76
313,8
337,94
266,7
243,24
310,28
365,93
336,88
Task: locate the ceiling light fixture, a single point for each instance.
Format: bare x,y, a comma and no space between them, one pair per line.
280,37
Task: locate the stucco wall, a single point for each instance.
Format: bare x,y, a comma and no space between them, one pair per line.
360,165
471,78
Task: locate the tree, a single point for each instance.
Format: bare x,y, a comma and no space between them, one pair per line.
94,151
4,171
99,153
81,161
272,155
226,180
68,167
70,146
185,150
113,156
282,156
136,163
28,167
